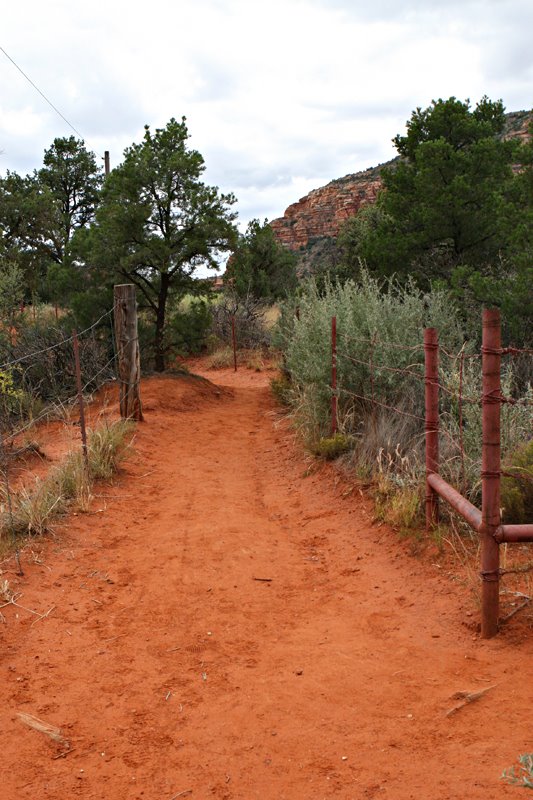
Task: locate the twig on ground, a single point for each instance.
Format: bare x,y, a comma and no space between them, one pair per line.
466,698
181,794
42,616
263,580
13,602
43,727
63,755
515,611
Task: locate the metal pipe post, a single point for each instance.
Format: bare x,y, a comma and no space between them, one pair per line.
431,380
490,472
333,376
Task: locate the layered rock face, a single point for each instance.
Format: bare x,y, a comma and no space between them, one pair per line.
321,213
318,216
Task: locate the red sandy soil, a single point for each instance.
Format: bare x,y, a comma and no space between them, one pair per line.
228,623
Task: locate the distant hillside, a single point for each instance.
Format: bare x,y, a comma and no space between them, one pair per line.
311,225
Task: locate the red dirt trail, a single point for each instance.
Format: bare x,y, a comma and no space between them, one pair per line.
175,669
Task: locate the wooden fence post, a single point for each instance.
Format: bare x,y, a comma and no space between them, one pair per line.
490,472
431,380
128,358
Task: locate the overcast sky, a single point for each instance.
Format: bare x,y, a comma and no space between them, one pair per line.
280,96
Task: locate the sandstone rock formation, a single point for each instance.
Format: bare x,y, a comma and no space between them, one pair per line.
311,225
322,212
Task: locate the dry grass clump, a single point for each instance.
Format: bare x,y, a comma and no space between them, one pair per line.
29,510
221,358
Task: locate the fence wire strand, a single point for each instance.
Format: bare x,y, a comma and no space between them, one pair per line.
68,339
52,408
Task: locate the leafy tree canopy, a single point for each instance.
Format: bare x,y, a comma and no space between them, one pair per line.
456,209
41,212
260,266
446,202
157,223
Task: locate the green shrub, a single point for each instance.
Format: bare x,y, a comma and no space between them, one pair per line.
375,322
187,331
330,447
45,361
380,378
517,486
521,775
30,510
282,389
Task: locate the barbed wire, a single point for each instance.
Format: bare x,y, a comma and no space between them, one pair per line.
379,403
47,413
71,400
56,345
91,380
455,394
372,365
382,343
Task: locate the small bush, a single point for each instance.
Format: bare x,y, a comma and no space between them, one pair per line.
221,359
254,359
106,448
282,389
249,314
30,509
517,486
521,775
399,506
331,447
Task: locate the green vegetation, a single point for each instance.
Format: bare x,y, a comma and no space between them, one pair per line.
30,510
381,389
157,223
331,447
454,212
67,236
260,266
517,485
521,775
42,212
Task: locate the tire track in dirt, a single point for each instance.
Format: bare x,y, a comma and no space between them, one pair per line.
169,667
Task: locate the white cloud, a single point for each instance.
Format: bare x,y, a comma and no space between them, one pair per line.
280,98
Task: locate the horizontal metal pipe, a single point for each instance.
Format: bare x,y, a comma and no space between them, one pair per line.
514,533
463,506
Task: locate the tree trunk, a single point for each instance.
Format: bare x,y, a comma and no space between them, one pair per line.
159,344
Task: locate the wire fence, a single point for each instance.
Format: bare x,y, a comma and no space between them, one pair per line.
41,384
414,371
481,402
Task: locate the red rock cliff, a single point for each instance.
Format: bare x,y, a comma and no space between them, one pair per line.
321,213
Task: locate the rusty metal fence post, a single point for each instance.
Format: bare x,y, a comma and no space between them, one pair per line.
431,381
490,472
333,376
